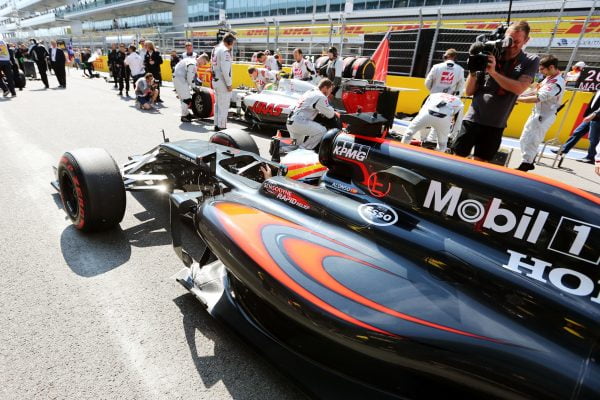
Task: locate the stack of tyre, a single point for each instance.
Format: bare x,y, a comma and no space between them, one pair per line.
354,67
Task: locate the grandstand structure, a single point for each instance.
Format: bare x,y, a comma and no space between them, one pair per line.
421,30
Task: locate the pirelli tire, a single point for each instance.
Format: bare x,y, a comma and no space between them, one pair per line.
236,138
321,65
91,189
202,104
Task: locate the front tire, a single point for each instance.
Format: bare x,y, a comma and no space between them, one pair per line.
235,138
91,189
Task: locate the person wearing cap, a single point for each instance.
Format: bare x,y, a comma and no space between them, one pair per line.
185,79
574,73
447,76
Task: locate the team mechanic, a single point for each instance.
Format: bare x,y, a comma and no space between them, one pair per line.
262,77
547,99
184,79
494,94
443,113
301,121
447,76
221,62
302,68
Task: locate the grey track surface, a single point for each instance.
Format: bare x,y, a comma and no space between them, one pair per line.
97,316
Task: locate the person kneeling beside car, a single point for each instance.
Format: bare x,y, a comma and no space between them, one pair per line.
146,91
301,122
185,78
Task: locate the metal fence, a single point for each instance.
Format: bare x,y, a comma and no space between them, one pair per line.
414,46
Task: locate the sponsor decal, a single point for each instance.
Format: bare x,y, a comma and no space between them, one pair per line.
260,107
285,195
377,186
577,239
186,158
378,214
447,77
344,188
527,226
351,150
567,280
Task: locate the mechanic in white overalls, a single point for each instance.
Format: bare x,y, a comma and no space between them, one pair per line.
443,113
547,98
221,62
301,121
268,61
185,78
302,69
262,77
446,77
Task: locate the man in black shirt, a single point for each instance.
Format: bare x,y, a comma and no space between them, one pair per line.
39,55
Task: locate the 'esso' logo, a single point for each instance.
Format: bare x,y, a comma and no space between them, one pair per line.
378,214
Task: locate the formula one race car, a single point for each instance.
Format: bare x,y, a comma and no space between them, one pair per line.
404,274
270,108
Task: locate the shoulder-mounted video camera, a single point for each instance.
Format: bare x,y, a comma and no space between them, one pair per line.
488,44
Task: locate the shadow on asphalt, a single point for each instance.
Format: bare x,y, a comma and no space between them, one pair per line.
195,127
233,363
92,254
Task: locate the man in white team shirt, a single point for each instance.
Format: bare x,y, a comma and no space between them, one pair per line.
443,113
221,62
135,62
261,77
268,61
546,97
446,77
301,121
184,79
302,68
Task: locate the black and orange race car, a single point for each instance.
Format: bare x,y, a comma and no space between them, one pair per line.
405,273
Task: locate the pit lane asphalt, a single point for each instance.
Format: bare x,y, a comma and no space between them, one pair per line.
97,316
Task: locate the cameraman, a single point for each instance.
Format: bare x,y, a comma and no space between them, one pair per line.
146,91
301,122
494,92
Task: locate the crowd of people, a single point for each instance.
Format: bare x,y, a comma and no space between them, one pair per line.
495,91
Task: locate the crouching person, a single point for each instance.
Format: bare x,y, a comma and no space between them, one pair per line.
185,79
443,113
146,91
301,122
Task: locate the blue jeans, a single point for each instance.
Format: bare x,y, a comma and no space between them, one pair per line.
594,129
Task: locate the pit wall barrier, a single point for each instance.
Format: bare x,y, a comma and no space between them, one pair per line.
410,102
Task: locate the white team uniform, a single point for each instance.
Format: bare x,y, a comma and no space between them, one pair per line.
185,55
301,122
550,93
446,77
263,77
303,69
221,67
271,64
184,75
438,112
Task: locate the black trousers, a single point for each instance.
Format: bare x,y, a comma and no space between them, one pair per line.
123,75
42,68
6,69
59,71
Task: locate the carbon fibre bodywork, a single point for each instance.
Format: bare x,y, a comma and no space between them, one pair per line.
416,274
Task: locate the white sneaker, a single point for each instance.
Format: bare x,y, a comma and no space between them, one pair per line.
6,93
